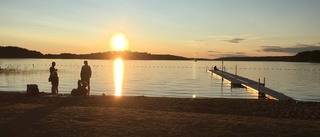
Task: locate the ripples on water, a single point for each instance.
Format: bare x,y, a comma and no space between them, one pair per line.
185,79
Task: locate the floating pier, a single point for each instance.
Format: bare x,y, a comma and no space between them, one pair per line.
238,81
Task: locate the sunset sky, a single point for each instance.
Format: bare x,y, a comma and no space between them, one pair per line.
189,28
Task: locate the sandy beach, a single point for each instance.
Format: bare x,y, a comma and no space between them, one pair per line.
93,116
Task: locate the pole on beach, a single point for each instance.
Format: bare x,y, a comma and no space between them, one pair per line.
222,76
259,93
259,85
221,84
222,67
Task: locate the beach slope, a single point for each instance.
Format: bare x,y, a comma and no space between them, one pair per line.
52,116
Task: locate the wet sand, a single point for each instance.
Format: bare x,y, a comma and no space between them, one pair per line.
52,116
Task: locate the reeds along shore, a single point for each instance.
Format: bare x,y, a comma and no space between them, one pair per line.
44,115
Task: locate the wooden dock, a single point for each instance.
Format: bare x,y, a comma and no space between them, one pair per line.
238,81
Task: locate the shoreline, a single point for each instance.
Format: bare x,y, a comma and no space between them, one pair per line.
68,93
154,116
267,98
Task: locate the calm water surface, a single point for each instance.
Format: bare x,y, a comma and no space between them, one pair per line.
185,79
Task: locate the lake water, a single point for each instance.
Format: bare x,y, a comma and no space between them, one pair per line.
181,79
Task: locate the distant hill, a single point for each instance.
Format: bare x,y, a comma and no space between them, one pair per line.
126,55
267,58
17,52
307,56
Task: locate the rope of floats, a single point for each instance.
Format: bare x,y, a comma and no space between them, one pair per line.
27,66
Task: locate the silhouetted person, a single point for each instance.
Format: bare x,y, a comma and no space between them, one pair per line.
81,90
86,74
215,68
54,83
52,69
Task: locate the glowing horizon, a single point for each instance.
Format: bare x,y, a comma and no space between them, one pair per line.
193,29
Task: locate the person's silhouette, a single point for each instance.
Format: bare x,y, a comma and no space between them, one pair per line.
86,74
53,78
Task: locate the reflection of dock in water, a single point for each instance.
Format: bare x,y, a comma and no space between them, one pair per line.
238,81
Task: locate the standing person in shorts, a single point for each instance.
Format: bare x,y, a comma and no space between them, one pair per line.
54,83
86,74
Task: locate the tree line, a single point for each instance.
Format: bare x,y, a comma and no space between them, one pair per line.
18,52
305,56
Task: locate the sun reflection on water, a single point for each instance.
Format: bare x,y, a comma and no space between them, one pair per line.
118,69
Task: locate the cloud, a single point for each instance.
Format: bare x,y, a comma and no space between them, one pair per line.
292,49
229,54
214,54
234,40
235,54
200,41
211,51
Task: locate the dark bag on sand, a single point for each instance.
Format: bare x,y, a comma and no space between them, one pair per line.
32,90
79,92
75,92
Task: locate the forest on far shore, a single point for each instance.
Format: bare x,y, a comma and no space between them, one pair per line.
17,52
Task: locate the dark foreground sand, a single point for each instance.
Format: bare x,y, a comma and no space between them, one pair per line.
48,116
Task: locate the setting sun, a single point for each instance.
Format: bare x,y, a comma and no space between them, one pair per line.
119,42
